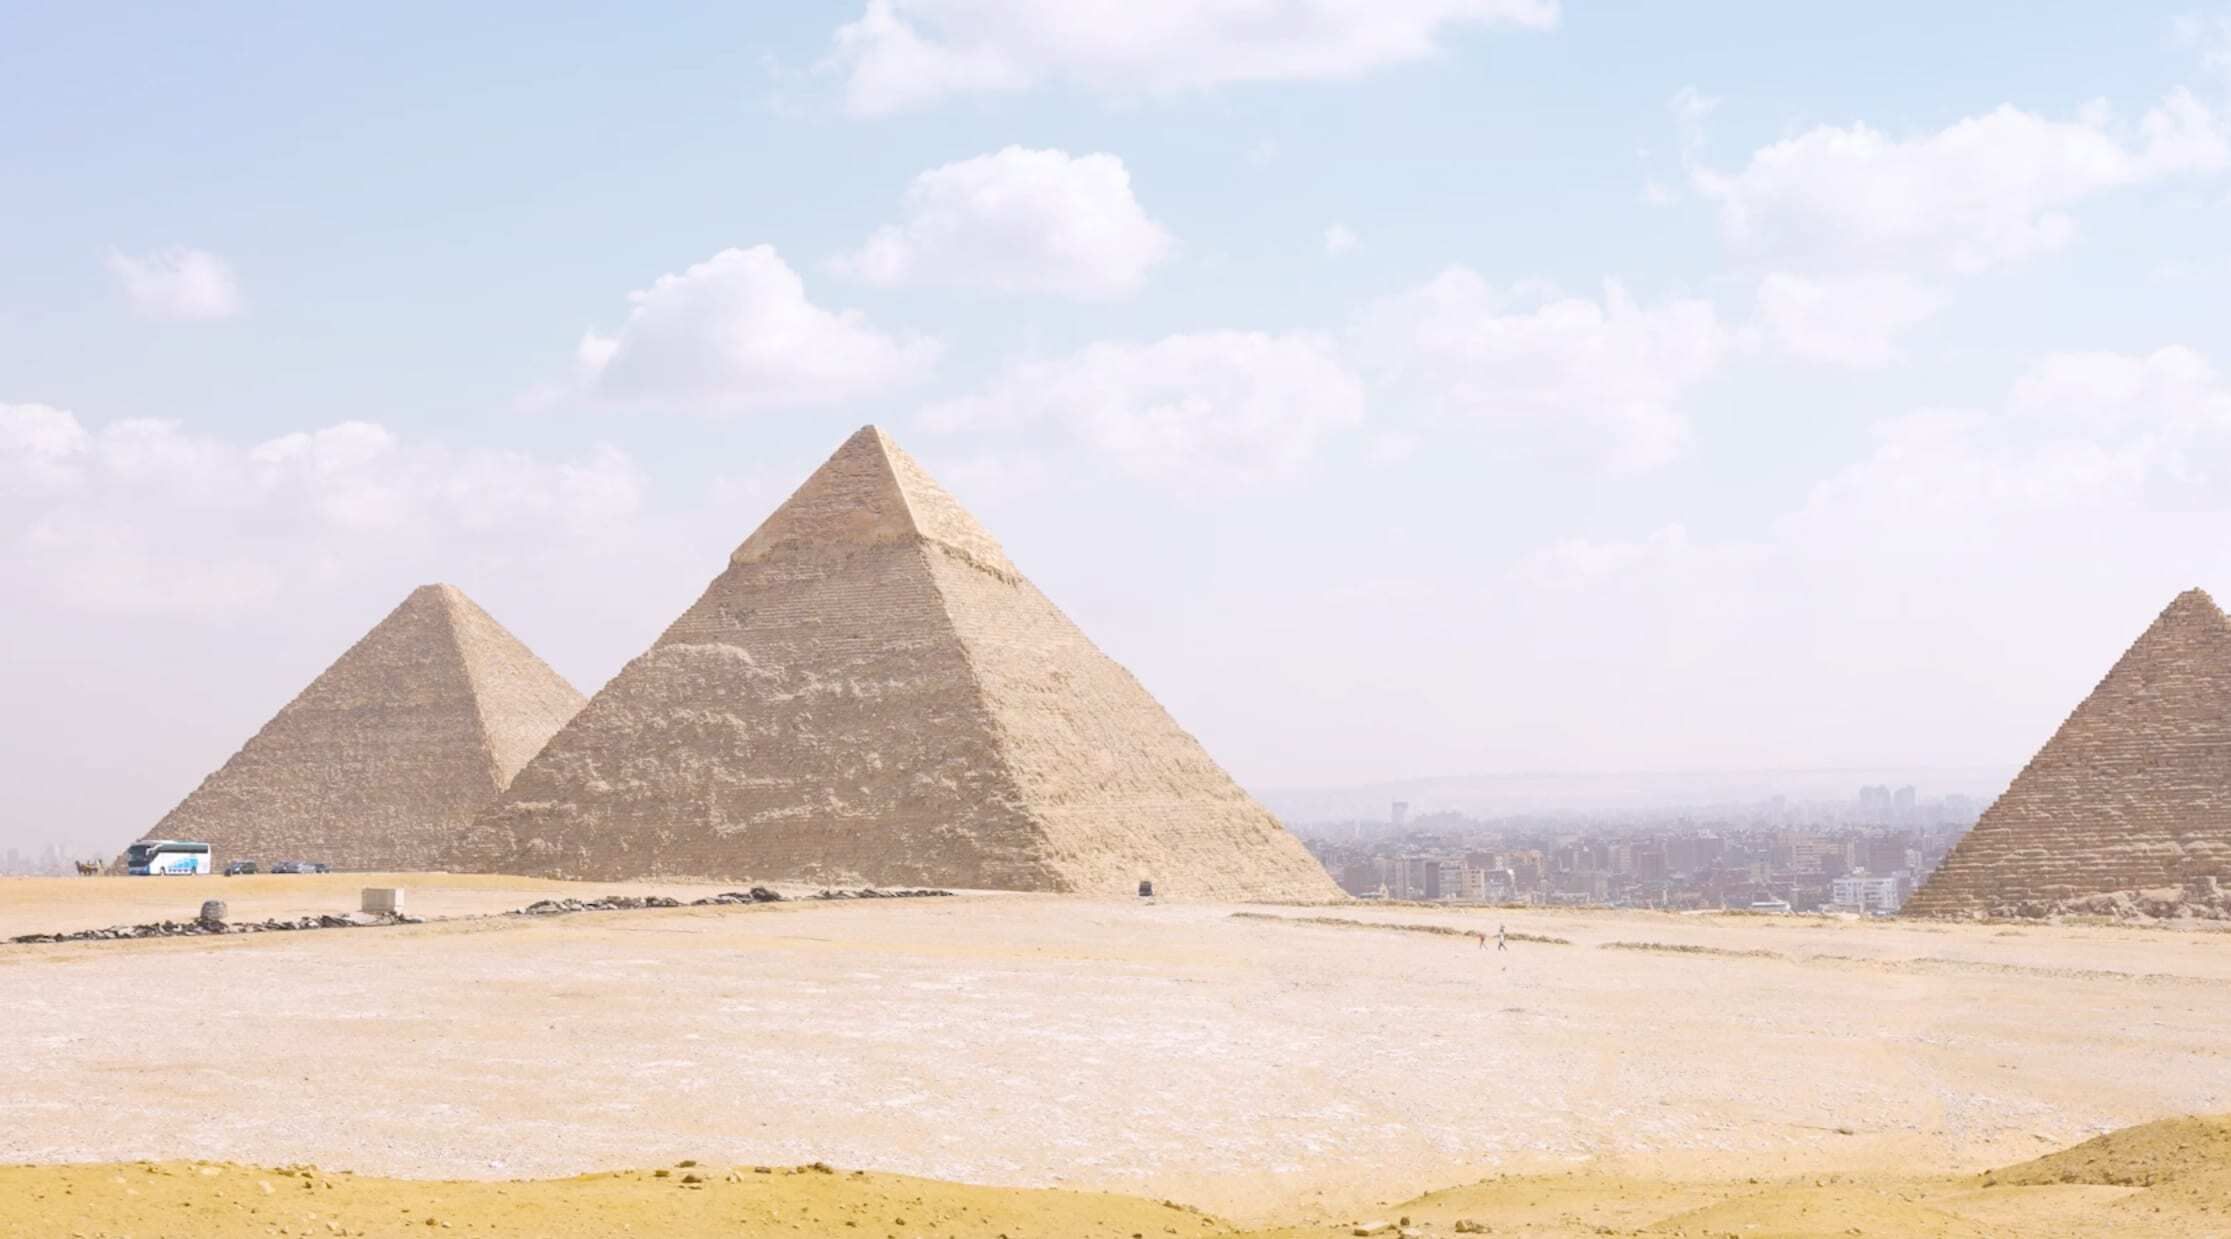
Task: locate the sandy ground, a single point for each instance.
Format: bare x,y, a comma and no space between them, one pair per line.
2157,1181
1256,1069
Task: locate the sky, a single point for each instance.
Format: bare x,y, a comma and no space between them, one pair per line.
1401,388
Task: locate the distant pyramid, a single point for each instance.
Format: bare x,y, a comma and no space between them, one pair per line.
2132,793
388,754
871,692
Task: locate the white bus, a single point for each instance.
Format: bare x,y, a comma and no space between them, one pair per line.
166,857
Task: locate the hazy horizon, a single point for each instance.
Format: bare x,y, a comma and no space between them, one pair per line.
1468,385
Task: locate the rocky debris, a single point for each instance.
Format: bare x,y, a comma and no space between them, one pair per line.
2205,899
606,903
757,894
206,928
208,924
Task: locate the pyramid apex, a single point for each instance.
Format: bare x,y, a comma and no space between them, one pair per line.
437,591
870,492
2192,604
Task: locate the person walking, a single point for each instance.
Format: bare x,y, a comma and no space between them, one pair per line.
1499,943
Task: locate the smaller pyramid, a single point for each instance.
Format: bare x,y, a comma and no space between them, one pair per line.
2132,794
375,765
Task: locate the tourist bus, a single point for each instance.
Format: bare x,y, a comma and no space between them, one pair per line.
166,857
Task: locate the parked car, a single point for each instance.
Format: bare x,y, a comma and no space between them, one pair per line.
238,867
301,866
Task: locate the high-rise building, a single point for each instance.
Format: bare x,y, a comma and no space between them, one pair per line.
1449,880
1875,803
1399,814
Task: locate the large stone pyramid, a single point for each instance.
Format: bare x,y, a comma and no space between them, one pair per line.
871,692
2133,793
388,754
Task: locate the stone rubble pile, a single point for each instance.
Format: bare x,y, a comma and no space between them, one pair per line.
543,907
2204,900
757,894
202,928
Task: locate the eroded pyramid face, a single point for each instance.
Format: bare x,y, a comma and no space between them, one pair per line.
2132,794
871,692
391,752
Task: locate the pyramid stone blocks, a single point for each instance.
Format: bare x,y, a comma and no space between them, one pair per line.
390,752
871,692
2131,795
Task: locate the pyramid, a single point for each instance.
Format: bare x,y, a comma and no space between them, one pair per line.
2133,792
872,693
384,757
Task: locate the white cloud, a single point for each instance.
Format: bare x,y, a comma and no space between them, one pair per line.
1691,108
143,517
1946,597
39,447
179,284
1983,192
904,54
1018,221
2208,36
985,480
1848,320
1339,239
1208,408
1607,374
2081,438
735,333
1581,563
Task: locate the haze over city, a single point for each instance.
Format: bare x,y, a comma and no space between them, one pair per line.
1496,388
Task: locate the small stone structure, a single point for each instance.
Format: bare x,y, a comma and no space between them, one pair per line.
383,900
2127,809
212,912
872,693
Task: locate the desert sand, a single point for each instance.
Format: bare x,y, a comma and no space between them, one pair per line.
1251,1062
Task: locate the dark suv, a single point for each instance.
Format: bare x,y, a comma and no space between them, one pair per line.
238,867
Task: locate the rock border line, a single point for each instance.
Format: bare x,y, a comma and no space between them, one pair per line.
539,908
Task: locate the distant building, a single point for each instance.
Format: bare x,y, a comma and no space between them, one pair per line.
1399,814
1860,891
1449,880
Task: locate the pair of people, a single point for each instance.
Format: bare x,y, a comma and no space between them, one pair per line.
1500,944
